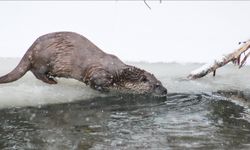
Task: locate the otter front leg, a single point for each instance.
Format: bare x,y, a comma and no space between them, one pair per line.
100,81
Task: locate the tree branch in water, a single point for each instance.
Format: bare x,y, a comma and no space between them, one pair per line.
231,57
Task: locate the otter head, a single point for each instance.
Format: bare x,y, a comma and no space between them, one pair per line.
141,81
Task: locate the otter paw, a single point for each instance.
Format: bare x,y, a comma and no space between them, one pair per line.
101,89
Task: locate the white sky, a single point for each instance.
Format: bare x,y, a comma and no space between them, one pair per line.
180,31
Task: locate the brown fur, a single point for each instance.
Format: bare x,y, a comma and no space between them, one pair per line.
70,55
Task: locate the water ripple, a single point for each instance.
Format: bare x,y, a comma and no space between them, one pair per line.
180,121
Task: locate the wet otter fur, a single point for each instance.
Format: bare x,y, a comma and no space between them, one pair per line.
70,55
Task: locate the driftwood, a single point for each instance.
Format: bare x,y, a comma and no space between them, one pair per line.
232,57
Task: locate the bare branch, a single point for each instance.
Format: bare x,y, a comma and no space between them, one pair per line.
231,57
147,4
244,60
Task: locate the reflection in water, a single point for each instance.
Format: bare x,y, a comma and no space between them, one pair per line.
182,121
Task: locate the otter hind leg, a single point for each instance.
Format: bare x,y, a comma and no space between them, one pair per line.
45,78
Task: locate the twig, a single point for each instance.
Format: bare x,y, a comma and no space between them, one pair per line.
147,4
244,60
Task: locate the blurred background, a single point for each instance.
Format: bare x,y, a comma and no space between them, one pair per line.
171,31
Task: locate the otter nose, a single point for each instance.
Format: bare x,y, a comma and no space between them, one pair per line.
165,91
161,90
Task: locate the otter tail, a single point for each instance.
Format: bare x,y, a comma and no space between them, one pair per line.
23,66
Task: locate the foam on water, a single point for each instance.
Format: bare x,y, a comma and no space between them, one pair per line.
29,91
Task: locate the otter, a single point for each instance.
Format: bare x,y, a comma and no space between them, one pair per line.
71,55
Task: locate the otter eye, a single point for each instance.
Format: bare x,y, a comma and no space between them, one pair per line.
144,79
157,85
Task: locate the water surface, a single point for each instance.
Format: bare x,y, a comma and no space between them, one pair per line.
209,113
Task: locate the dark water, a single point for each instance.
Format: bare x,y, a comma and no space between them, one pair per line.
209,113
180,121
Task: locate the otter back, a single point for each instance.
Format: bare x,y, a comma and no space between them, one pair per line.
71,55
